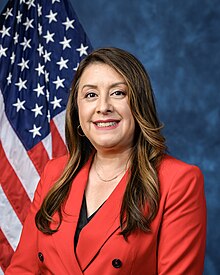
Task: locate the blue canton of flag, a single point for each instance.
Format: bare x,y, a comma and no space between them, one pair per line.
41,45
40,48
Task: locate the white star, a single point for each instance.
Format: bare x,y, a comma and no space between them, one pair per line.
5,31
30,4
16,38
35,131
40,28
53,1
9,78
49,37
52,16
68,23
19,105
39,90
28,24
2,51
8,13
21,84
39,10
66,43
77,65
37,110
59,82
19,16
62,63
82,50
26,43
47,56
13,58
40,69
56,102
40,49
23,64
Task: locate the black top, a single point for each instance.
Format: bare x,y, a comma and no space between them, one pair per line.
83,220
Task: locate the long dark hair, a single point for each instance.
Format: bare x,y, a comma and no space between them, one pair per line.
149,146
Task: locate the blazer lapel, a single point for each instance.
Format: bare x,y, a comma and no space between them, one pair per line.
64,238
101,227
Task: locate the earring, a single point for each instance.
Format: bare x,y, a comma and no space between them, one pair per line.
78,131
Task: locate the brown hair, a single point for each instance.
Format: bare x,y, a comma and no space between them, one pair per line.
149,146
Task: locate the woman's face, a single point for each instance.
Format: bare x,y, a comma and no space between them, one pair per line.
104,112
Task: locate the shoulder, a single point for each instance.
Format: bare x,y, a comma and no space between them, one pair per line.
170,166
57,163
52,171
54,168
174,173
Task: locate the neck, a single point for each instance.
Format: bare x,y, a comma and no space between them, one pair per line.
115,159
111,167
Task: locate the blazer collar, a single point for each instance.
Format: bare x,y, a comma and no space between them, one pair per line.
105,222
64,238
96,232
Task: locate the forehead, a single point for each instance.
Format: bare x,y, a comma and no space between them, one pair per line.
100,73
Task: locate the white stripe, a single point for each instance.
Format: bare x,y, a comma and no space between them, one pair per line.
47,142
1,271
16,154
9,222
59,121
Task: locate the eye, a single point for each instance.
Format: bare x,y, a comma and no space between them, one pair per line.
119,93
90,95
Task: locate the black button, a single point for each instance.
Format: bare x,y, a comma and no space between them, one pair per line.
41,256
117,263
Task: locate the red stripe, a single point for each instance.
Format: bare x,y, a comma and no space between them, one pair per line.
58,145
6,251
39,157
13,188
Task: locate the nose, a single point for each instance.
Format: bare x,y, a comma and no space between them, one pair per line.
104,105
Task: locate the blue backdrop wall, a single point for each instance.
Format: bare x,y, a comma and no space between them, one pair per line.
179,44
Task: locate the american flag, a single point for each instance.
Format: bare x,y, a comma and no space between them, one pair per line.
41,45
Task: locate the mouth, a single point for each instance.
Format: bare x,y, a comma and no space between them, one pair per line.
106,124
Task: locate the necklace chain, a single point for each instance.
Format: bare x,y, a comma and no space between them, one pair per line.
107,180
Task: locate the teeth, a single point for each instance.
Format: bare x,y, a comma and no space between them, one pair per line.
106,124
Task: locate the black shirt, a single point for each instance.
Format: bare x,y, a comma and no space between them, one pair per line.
83,219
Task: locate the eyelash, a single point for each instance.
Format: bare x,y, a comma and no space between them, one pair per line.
116,93
119,93
90,95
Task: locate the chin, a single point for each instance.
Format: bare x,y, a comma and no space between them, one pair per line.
105,146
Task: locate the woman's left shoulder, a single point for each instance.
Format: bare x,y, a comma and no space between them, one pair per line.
172,171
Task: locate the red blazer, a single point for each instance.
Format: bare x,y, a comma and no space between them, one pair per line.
175,246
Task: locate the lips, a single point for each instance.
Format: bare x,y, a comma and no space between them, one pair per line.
105,124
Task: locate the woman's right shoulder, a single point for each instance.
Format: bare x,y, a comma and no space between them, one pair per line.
58,162
55,167
51,173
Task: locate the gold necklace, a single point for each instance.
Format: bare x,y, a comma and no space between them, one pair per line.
107,180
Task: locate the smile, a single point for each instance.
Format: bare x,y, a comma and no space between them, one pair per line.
106,124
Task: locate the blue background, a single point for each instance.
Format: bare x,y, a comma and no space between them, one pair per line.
179,44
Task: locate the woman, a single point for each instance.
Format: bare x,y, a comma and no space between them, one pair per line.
117,204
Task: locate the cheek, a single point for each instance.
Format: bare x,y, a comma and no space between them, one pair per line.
132,122
82,116
79,113
81,110
85,115
129,115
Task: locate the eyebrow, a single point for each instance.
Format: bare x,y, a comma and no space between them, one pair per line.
111,86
